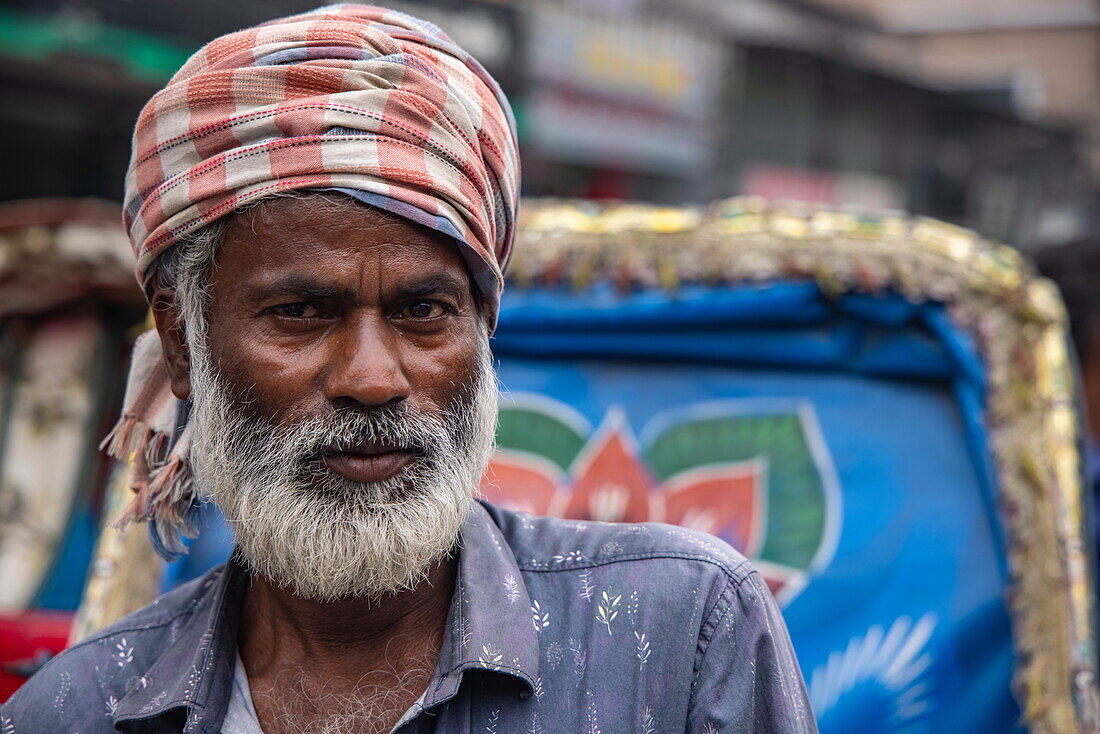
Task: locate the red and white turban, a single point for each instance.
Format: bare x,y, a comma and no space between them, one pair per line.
360,99
349,97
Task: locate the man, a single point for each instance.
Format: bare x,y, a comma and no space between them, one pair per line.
321,208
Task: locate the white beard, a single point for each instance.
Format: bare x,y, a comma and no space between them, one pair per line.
325,537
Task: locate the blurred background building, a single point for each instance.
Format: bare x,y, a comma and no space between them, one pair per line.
985,113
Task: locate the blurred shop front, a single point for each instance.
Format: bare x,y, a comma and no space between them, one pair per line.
804,126
669,101
620,105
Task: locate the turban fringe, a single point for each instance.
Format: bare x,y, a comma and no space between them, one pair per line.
355,98
146,437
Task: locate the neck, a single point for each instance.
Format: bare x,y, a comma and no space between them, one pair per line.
279,629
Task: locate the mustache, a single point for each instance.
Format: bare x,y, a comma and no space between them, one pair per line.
316,532
397,427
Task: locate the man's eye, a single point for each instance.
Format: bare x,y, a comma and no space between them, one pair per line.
297,311
424,310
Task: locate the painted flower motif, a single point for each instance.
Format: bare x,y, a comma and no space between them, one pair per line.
609,482
610,548
587,588
555,653
608,608
593,724
568,558
580,659
511,588
465,632
64,685
541,617
490,657
761,479
632,608
891,668
124,653
192,681
155,702
641,648
7,726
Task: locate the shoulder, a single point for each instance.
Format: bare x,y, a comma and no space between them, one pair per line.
547,544
83,684
164,612
659,576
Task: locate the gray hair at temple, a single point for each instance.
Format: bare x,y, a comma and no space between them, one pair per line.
185,270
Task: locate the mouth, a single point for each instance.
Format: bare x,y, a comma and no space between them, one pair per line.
368,462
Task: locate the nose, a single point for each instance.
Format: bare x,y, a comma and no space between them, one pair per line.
365,366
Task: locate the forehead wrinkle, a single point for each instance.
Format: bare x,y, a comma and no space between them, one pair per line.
410,272
347,246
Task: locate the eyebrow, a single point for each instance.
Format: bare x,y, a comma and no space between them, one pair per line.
299,286
435,284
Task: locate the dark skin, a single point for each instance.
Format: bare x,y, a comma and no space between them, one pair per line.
315,308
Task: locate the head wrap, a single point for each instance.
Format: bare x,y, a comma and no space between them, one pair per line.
374,103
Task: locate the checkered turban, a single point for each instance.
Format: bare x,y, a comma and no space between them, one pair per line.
357,98
374,103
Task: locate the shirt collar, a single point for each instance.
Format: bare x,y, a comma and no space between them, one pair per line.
489,627
188,673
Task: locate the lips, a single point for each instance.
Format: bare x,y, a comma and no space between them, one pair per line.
368,462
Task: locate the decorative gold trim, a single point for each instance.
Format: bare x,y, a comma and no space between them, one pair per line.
125,571
1018,324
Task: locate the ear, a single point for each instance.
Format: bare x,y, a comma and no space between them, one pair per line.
173,341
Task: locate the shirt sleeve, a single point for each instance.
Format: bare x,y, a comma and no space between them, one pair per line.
747,679
54,699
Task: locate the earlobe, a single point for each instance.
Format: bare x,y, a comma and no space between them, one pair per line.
173,341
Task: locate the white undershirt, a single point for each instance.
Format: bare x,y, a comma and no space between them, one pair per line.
240,716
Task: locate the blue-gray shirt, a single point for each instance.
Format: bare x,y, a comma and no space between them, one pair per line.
555,626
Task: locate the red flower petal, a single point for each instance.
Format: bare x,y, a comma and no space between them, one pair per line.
519,481
611,483
724,500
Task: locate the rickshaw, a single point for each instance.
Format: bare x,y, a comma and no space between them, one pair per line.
879,411
68,303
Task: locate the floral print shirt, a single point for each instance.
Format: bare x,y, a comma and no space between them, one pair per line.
555,626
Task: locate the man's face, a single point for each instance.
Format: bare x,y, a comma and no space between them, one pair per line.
322,307
345,403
